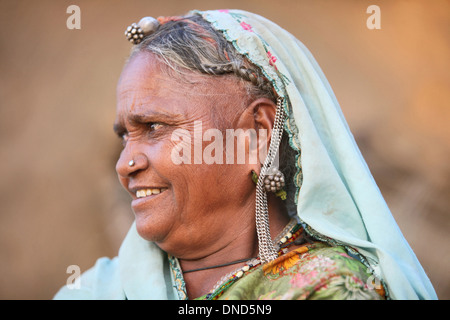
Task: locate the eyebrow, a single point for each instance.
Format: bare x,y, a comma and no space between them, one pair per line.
141,118
152,116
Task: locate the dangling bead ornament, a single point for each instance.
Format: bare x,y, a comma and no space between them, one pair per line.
274,180
137,31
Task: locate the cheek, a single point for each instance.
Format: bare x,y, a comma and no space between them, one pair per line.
158,155
162,165
173,161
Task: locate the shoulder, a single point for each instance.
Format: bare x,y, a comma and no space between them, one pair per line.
319,271
101,282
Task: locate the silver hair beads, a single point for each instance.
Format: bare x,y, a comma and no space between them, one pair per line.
137,31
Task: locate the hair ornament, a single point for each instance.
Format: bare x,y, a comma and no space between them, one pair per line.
137,31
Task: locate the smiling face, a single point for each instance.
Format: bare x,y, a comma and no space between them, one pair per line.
178,205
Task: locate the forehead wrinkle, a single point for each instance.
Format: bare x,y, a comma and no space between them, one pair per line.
145,87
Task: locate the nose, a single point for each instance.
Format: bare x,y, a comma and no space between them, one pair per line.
131,161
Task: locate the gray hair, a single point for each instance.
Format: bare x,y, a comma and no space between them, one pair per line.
191,43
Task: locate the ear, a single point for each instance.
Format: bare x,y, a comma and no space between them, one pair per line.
260,116
264,111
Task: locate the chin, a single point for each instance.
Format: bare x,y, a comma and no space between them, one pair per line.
151,230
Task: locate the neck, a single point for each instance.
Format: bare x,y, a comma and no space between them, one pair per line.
198,283
243,246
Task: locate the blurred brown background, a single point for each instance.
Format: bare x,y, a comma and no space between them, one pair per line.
60,201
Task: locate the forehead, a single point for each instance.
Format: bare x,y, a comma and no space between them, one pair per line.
146,85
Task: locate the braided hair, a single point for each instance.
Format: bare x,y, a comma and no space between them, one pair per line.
192,44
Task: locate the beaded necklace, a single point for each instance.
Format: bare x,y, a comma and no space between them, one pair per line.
289,234
286,237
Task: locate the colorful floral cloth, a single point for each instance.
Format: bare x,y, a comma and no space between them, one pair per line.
314,272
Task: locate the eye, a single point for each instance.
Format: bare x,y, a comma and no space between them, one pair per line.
153,126
123,139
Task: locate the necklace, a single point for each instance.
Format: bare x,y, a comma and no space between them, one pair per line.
217,266
282,237
286,237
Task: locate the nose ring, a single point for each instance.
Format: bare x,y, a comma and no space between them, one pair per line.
131,163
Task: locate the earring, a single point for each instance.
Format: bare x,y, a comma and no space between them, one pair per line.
267,250
274,182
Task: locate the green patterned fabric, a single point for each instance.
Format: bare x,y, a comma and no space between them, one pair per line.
313,272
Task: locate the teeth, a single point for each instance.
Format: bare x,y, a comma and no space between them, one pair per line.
148,192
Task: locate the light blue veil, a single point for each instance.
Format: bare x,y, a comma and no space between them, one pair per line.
337,198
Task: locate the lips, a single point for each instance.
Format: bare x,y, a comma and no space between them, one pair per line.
144,196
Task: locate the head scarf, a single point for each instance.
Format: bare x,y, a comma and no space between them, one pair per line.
337,198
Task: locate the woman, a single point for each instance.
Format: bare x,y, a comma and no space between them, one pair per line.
305,221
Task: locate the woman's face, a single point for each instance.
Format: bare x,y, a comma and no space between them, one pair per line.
177,205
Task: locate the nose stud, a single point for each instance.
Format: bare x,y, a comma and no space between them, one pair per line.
131,163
